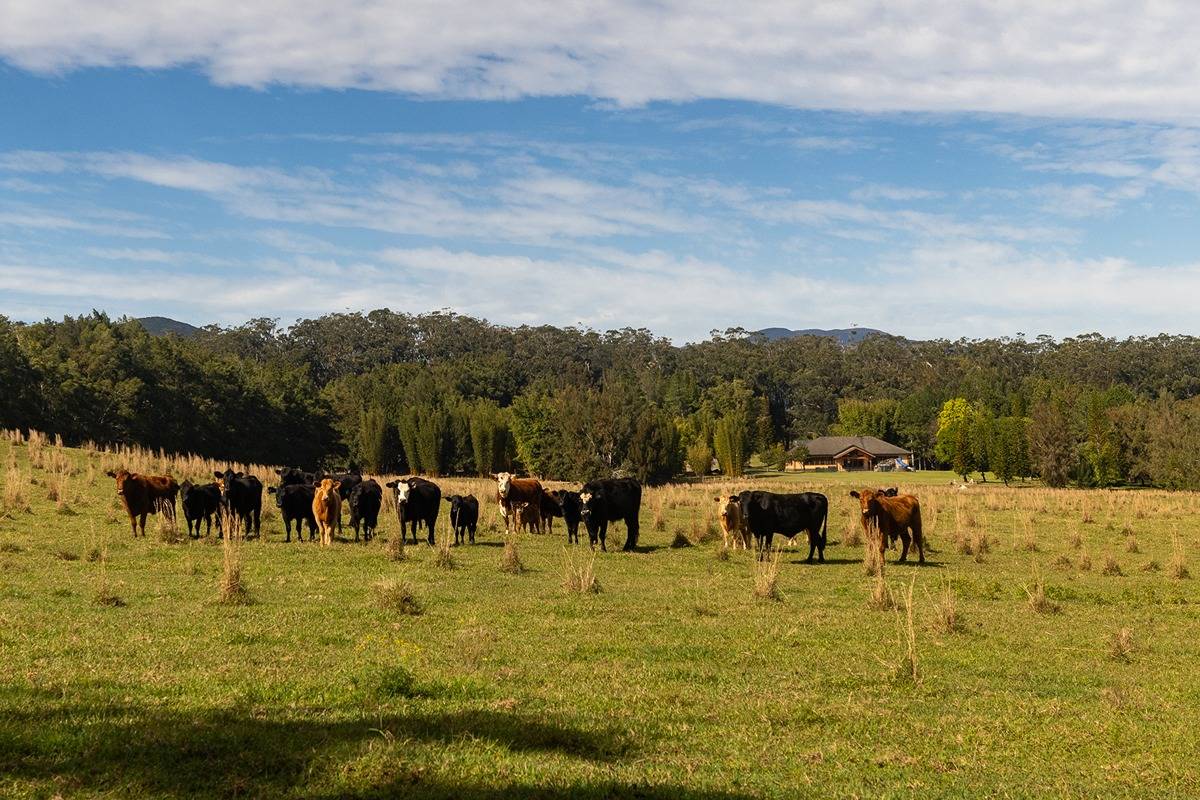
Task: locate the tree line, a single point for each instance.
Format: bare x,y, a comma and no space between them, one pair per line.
442,393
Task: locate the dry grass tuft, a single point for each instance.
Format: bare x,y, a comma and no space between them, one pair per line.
1121,645
1076,540
680,539
766,577
579,573
232,591
1152,566
946,616
1177,568
1085,563
853,535
1038,601
442,556
722,551
66,555
1063,562
474,645
11,547
510,559
393,595
881,598
1131,545
395,548
1111,567
905,670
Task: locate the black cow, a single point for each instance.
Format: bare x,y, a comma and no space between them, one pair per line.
766,513
609,500
295,502
550,509
365,500
242,498
292,476
571,508
199,505
417,501
346,481
464,516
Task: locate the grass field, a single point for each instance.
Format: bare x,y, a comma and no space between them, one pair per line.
1061,661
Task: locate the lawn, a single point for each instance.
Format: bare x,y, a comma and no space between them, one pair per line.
1062,661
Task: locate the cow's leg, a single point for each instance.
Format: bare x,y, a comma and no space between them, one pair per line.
603,536
429,522
631,533
904,541
474,525
257,521
142,525
812,546
919,541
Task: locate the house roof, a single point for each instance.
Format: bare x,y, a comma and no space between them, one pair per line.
836,445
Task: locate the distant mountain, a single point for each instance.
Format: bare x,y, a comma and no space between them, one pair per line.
843,336
161,326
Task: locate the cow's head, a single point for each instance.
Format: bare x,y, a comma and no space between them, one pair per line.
289,476
224,479
327,486
891,491
503,483
402,488
591,509
121,476
869,500
749,502
729,510
455,501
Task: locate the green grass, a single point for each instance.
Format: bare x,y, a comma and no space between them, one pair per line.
673,681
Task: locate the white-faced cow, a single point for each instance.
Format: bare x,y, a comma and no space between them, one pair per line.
609,500
417,502
510,491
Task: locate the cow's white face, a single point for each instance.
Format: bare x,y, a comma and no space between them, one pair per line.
585,497
402,490
504,483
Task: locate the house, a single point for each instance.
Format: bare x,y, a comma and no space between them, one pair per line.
847,453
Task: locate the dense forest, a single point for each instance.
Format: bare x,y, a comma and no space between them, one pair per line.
442,393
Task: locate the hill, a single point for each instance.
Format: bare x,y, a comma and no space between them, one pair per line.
843,336
161,326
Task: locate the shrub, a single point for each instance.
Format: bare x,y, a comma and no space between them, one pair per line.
393,595
766,577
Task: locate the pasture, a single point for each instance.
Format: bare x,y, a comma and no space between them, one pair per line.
1051,648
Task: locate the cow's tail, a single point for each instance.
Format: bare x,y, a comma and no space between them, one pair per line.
825,527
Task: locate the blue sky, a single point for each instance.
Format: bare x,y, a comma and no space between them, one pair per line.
929,172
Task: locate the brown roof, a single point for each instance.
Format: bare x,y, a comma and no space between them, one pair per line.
836,445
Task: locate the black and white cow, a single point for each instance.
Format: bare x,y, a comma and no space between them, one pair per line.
609,500
417,501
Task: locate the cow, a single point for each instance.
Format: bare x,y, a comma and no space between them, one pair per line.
242,497
200,503
365,499
608,500
729,512
346,481
417,501
291,476
892,517
528,517
550,509
295,501
464,516
765,514
145,494
571,507
327,510
510,491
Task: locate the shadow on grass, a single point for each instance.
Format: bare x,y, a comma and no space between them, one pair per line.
96,743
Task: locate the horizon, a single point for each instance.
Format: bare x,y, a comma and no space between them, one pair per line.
671,169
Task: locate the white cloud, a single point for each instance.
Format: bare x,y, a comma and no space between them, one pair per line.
1105,59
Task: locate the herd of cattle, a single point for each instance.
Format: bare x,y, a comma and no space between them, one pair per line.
315,500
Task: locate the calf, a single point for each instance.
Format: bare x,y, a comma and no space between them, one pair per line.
528,517
365,499
572,508
327,510
242,497
464,516
765,514
892,517
417,501
550,509
609,500
145,494
200,503
295,503
729,512
510,491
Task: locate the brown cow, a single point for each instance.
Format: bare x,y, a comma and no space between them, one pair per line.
145,494
729,512
892,517
528,517
327,509
510,491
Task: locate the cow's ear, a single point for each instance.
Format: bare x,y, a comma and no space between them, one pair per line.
111,474
278,472
218,474
733,498
391,484
854,494
237,474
